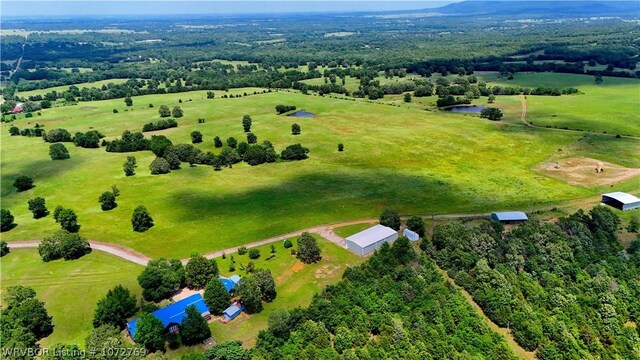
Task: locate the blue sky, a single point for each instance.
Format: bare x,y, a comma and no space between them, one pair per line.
155,7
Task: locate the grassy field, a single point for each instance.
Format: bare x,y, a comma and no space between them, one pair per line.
346,231
69,289
296,283
416,161
611,107
63,88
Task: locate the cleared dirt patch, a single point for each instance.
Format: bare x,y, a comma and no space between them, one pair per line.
586,171
88,108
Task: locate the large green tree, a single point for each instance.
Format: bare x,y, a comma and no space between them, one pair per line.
141,220
308,250
150,333
38,207
249,292
107,201
6,220
161,278
68,220
194,328
25,310
216,296
199,271
416,224
390,218
267,284
114,309
58,151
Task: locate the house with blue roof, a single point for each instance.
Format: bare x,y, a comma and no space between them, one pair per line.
230,282
233,311
510,217
172,315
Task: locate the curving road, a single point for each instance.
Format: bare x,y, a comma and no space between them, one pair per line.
325,231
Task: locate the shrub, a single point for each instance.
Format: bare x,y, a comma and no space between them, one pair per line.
246,123
295,129
23,183
58,152
217,142
281,109
252,138
159,144
141,219
287,244
294,152
254,254
160,125
164,111
232,142
63,244
416,224
14,131
159,166
4,248
115,111
340,147
255,155
129,166
107,201
177,112
128,101
57,135
128,142
68,220
490,113
196,137
90,139
6,220
242,250
38,208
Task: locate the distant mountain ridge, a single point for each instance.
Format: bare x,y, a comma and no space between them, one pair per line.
543,8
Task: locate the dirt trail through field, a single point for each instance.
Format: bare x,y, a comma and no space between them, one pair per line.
523,118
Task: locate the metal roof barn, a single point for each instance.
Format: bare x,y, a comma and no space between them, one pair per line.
367,241
172,315
509,216
621,200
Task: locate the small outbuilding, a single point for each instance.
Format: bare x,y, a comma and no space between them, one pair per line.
233,311
411,235
367,241
510,217
172,315
621,200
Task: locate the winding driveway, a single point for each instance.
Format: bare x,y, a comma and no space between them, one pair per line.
325,231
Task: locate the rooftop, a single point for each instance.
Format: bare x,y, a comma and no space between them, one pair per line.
173,313
371,235
622,197
510,216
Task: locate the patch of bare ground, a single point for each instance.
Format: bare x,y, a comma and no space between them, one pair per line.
586,172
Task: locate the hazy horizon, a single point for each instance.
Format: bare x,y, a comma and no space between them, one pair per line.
142,7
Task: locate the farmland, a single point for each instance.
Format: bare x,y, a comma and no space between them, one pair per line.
399,157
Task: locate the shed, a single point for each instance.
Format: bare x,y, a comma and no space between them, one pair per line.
233,311
411,235
510,217
172,315
369,240
621,200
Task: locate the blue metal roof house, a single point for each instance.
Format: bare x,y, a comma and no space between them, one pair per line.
230,282
233,311
172,315
510,217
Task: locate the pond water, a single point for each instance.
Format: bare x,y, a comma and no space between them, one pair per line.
466,109
302,113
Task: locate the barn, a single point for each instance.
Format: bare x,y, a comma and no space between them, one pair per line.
621,200
510,217
172,315
369,240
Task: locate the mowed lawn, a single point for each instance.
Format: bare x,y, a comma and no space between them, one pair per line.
296,283
69,289
612,107
415,161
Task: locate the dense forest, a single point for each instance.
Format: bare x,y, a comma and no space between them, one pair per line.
567,290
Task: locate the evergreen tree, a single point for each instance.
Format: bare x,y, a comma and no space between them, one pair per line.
114,309
194,328
216,296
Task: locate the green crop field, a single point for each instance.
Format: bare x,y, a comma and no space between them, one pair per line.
416,161
69,289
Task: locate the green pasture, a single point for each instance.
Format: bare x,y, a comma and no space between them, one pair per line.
415,161
346,231
69,289
612,107
98,84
